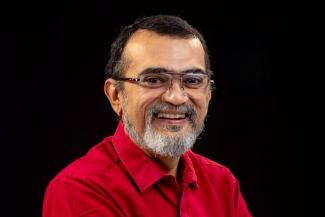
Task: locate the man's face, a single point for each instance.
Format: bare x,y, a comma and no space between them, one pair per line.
165,118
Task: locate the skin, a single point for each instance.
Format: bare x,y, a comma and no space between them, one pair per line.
146,49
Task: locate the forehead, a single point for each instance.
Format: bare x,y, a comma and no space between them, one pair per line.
147,49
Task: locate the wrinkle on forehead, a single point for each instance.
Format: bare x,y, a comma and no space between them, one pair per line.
149,49
144,40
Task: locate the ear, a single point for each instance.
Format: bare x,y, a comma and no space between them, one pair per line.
112,92
209,95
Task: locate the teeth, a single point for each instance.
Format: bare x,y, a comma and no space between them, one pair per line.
171,116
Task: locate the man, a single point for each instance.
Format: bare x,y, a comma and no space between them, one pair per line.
158,83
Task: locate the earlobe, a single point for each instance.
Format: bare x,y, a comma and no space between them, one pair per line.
112,93
208,96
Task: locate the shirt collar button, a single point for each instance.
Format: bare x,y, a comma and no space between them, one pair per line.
191,185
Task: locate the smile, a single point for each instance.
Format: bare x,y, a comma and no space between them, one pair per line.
171,116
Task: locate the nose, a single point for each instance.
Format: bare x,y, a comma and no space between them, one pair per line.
175,94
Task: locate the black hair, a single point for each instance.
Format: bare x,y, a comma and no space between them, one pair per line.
161,24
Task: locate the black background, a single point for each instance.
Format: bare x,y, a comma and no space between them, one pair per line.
53,108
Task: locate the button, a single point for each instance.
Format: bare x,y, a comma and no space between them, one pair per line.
192,185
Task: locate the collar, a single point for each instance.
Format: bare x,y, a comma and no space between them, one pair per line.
144,170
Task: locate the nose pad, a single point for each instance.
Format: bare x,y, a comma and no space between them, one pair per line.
180,84
174,87
175,94
169,91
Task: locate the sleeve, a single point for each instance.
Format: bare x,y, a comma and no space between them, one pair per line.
68,197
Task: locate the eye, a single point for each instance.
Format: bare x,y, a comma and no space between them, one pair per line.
153,80
193,80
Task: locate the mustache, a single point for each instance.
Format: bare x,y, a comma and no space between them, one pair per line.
165,107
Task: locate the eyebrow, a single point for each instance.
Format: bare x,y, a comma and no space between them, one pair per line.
162,70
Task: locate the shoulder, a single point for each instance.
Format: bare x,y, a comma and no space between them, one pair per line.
84,185
214,170
199,160
99,158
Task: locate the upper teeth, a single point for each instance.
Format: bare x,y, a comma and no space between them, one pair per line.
171,116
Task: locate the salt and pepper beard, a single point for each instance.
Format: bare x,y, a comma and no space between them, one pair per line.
161,144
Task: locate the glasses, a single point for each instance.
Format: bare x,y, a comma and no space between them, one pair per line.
196,80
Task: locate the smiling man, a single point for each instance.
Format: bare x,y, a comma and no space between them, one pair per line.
159,84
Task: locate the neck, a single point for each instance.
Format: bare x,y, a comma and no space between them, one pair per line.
170,163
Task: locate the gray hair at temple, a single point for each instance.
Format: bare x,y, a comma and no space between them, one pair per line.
162,24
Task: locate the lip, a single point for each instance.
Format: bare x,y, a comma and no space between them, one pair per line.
171,116
172,121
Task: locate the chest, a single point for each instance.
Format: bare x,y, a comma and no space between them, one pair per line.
161,200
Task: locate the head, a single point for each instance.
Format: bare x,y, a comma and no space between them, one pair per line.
165,119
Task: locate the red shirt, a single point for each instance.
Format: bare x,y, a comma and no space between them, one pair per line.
116,178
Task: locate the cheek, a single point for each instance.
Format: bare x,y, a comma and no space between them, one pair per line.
138,103
203,111
201,104
136,115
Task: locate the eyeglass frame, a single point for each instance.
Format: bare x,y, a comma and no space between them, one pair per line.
173,74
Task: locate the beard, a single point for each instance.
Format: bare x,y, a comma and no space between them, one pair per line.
159,144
